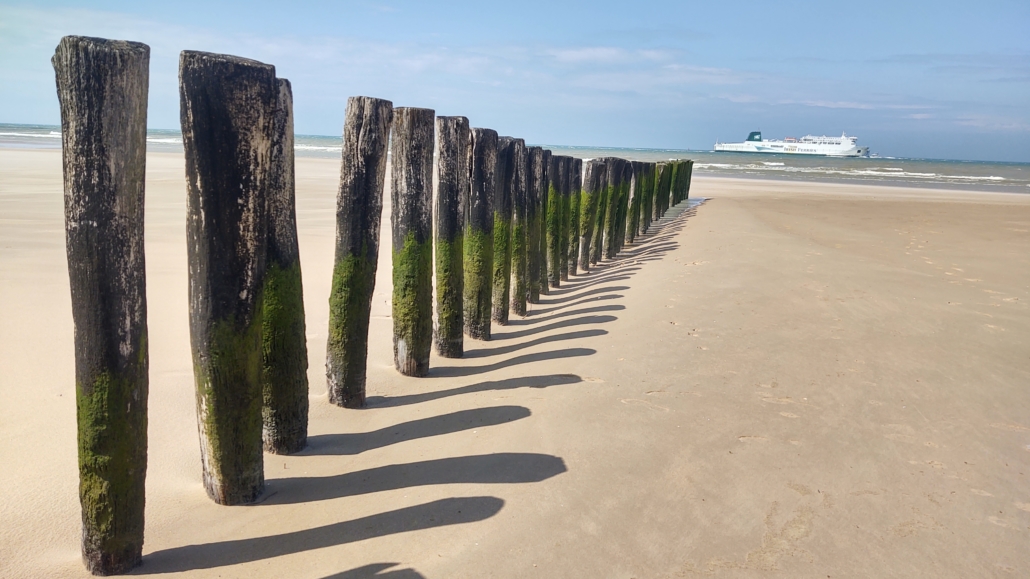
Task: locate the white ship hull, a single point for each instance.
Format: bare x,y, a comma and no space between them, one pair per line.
842,146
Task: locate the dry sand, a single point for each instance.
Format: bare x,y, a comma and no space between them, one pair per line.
791,380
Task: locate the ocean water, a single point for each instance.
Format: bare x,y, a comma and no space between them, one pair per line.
973,175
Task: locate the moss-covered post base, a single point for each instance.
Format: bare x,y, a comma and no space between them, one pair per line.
227,113
534,221
545,216
502,229
519,230
479,235
589,197
359,208
411,192
454,147
555,210
102,88
575,194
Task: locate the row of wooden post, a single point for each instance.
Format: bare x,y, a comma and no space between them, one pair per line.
510,221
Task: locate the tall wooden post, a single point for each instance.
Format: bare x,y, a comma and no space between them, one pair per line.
589,196
611,218
411,195
546,165
534,219
502,229
359,208
555,202
565,172
661,189
284,351
102,87
479,235
690,175
647,202
604,192
575,193
623,215
454,150
519,230
227,108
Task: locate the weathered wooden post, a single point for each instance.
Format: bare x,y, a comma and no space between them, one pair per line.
632,218
555,211
359,208
546,165
597,244
647,202
411,195
669,196
520,230
479,235
661,190
502,229
102,87
575,193
611,218
565,188
589,197
690,175
227,108
454,149
623,215
534,219
284,351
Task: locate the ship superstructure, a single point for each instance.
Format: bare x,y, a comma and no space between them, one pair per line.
842,146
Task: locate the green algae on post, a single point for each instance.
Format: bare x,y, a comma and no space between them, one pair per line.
519,230
359,207
534,221
227,115
635,188
564,172
623,214
611,217
545,208
284,351
554,218
412,207
454,146
597,244
575,192
589,197
479,235
502,229
102,88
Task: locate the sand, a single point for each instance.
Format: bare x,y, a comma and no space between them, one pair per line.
789,380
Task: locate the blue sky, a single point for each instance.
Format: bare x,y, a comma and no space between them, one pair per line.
924,79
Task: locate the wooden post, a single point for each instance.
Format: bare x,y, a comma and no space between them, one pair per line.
479,235
284,351
102,87
520,230
597,245
545,216
690,175
502,229
647,202
227,108
589,197
633,217
534,220
411,195
359,208
611,218
623,215
565,172
661,190
555,210
575,193
454,149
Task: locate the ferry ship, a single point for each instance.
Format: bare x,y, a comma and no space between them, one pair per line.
842,146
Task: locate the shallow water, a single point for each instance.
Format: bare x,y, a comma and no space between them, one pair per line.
1011,177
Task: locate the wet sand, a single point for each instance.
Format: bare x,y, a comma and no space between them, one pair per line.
789,380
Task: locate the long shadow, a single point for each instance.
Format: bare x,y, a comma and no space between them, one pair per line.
374,571
497,468
456,371
487,352
581,321
506,384
537,319
445,512
585,280
349,444
597,290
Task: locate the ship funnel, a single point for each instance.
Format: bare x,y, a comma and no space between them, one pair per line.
755,136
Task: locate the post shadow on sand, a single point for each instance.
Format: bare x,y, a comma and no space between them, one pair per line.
377,571
441,513
458,371
356,443
594,291
592,310
496,468
531,330
536,317
491,385
487,352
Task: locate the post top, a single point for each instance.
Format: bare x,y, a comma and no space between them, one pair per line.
188,57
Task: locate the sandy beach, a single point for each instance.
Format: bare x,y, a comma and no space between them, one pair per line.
787,380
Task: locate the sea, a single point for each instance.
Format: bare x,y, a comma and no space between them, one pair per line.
903,171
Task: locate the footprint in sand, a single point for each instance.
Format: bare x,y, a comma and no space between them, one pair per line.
788,415
980,492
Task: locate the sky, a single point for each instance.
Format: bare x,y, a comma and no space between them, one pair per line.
944,79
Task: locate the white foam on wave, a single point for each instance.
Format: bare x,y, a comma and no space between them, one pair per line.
318,148
169,141
51,135
773,164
